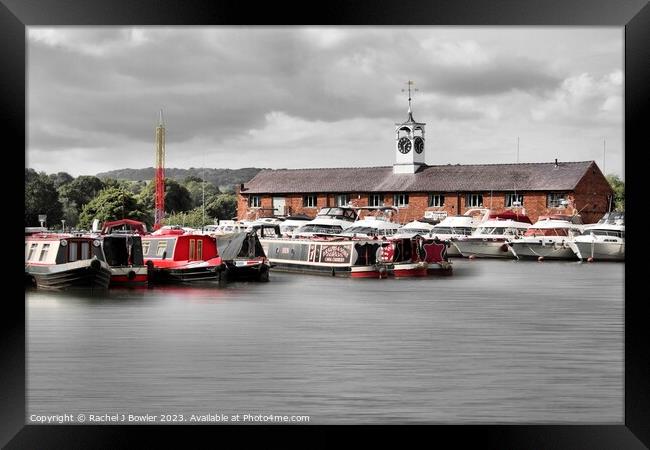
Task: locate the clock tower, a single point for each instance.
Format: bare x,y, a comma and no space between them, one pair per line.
409,142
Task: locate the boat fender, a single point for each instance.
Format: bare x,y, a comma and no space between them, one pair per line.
131,275
504,248
149,265
95,264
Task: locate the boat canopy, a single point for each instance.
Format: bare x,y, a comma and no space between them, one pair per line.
124,224
239,245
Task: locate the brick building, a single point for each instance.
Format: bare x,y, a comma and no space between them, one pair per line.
415,187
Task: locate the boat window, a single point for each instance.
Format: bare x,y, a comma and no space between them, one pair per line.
85,250
44,251
199,249
162,246
192,241
72,251
145,247
442,230
323,211
32,250
349,214
335,212
328,229
612,233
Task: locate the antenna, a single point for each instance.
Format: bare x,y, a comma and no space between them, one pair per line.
604,149
517,149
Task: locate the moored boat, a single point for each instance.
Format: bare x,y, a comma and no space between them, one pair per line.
173,255
452,228
603,241
65,261
548,238
122,245
243,255
489,239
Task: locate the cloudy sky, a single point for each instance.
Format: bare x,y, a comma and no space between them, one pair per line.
321,97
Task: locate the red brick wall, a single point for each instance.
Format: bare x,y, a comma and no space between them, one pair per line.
590,198
592,195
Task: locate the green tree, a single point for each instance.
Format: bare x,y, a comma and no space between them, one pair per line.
222,206
61,178
196,187
114,203
177,197
41,197
618,186
81,190
192,218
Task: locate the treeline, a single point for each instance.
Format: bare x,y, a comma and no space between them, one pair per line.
78,201
223,179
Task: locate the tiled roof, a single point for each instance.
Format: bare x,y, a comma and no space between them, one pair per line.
446,178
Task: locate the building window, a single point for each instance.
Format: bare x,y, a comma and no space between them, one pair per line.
436,200
401,200
255,201
376,200
556,200
342,199
514,200
474,200
309,201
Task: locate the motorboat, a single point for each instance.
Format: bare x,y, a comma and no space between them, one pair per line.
602,241
226,227
174,255
291,223
548,238
489,238
453,228
377,222
328,221
65,261
415,227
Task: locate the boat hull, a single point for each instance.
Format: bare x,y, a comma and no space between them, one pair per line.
85,274
599,251
128,276
247,270
484,248
536,250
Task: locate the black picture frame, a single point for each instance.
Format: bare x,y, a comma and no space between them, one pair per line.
634,15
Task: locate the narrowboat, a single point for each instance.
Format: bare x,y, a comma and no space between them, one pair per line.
243,255
174,255
65,261
122,244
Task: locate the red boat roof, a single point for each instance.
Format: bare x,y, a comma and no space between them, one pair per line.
136,226
511,215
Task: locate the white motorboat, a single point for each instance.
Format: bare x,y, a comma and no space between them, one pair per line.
377,223
548,238
328,221
291,223
489,239
455,227
602,241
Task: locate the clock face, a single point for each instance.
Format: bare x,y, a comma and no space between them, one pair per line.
419,144
404,145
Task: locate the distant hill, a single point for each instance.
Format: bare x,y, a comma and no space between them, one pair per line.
222,178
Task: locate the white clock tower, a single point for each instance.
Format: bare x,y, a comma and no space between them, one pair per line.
409,143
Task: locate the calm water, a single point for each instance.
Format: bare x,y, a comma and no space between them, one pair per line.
497,342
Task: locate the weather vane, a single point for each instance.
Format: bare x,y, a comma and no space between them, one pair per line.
410,83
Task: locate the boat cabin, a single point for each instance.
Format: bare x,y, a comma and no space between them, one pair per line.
179,247
46,249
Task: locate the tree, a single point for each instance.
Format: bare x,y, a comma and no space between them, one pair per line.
192,218
114,203
618,186
41,197
61,178
222,206
81,190
195,186
177,197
